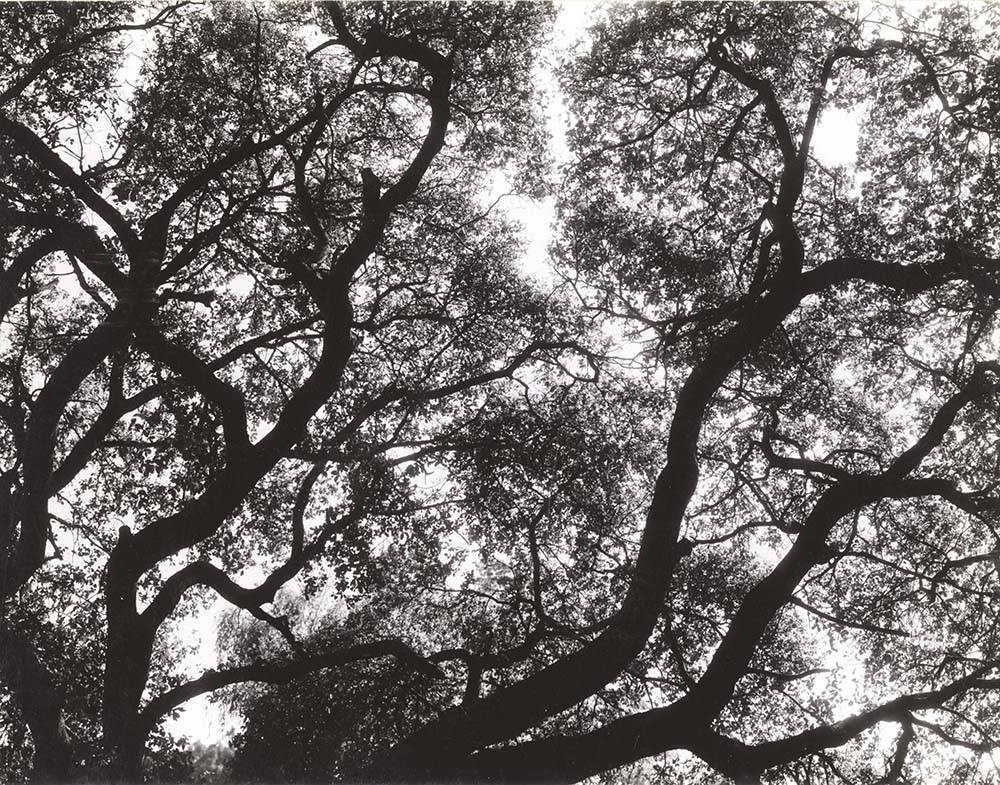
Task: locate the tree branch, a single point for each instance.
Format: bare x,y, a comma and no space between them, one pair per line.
39,152
282,672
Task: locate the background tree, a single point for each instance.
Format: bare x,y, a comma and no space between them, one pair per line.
728,488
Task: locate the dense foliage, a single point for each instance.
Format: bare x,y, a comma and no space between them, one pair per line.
712,498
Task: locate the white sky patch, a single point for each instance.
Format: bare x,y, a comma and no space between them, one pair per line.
100,143
240,284
573,19
572,24
135,56
199,719
312,35
536,218
835,139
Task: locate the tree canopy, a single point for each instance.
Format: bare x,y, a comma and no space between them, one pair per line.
713,499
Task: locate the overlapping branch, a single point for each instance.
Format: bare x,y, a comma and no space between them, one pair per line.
283,671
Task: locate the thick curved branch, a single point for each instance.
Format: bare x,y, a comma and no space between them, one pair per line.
199,374
764,91
458,733
251,599
378,206
793,170
170,535
770,754
977,386
40,439
282,672
117,407
11,291
131,644
802,464
954,265
765,599
39,152
569,759
895,771
81,241
207,574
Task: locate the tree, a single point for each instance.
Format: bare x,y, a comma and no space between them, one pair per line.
260,330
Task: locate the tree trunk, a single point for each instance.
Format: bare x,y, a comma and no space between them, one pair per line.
126,671
41,704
